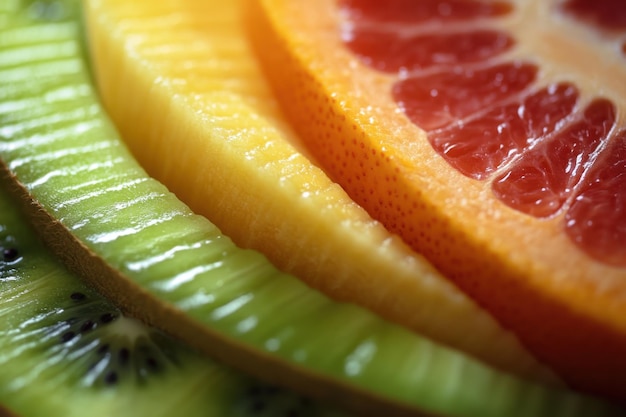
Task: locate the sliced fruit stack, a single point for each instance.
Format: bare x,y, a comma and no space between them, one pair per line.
257,187
489,135
65,351
377,330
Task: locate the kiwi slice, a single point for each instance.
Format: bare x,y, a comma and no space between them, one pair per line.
66,351
136,243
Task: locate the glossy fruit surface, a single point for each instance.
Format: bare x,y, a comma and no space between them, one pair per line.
133,240
181,83
489,136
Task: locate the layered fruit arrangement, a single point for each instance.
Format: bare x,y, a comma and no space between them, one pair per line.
249,174
489,136
462,146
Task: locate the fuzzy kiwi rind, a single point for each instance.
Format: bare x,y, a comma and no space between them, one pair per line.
140,246
65,351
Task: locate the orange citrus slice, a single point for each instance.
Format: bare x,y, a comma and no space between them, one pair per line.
182,85
489,135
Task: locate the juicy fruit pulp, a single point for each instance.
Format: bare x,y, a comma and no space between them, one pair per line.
486,134
141,246
489,119
217,140
64,350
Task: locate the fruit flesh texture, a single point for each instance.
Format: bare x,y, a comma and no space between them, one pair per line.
35,287
138,244
565,306
189,64
46,373
531,130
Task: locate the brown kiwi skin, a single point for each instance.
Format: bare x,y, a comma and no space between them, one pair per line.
136,302
5,412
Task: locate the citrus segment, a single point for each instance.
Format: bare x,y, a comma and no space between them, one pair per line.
482,145
407,11
605,14
423,51
209,128
492,164
596,217
436,100
544,177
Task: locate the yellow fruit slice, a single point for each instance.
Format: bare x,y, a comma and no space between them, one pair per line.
181,83
491,136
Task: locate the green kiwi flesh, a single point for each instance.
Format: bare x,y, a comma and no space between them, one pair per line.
144,249
66,351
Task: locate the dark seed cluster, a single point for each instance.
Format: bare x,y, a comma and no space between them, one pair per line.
123,356
80,326
111,378
107,318
262,400
116,358
78,296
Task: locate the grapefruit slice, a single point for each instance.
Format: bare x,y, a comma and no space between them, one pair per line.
182,85
489,135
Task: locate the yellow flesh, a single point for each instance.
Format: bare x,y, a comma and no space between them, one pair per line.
189,99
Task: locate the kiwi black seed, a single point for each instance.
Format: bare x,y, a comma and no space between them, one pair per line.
59,358
120,346
264,400
10,254
139,245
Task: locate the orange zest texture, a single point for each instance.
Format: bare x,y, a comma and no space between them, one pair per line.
182,85
425,135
